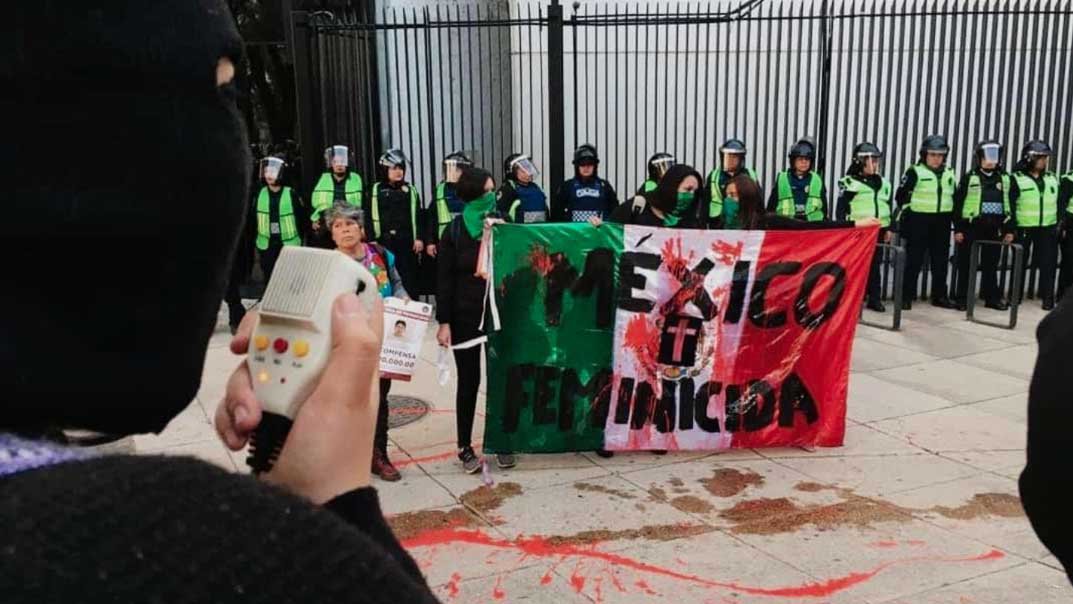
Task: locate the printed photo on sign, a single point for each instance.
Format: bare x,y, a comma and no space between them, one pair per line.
405,324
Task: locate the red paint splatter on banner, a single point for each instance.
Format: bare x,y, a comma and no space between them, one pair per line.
674,260
540,547
727,254
642,338
452,586
540,260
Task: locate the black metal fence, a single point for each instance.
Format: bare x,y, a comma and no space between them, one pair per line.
641,77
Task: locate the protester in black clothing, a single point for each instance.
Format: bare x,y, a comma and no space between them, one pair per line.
673,203
394,217
1046,481
925,199
129,355
586,197
460,303
1065,235
865,193
982,212
1034,203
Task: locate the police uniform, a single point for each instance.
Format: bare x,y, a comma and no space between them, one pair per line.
580,199
925,204
982,212
331,189
394,219
801,197
1034,202
867,197
445,207
276,224
522,203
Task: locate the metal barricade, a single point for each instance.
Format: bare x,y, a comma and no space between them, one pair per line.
892,256
1015,287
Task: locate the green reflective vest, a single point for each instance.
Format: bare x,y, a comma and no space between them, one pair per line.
288,226
715,206
786,205
376,210
1036,208
324,193
866,201
648,186
974,197
444,216
933,194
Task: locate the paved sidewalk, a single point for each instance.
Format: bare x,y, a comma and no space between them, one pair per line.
919,506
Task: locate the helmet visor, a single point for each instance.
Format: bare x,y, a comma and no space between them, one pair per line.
338,155
271,168
990,153
526,165
452,170
662,164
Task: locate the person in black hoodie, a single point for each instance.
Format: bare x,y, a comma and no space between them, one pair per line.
586,197
153,82
460,296
1046,481
394,217
982,212
673,203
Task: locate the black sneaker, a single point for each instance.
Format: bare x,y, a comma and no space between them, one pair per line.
471,464
602,452
997,305
506,461
907,305
1048,304
875,305
944,303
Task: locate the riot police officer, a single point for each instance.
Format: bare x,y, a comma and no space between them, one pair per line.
520,199
446,204
799,191
338,184
732,162
394,215
1034,198
658,165
586,196
1065,202
865,193
925,199
277,209
982,213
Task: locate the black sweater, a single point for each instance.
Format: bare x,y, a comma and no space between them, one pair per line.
459,292
173,529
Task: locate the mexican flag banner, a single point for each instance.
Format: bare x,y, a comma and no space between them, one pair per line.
636,338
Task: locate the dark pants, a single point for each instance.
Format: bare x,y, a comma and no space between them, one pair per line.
468,364
1043,243
1065,279
268,260
873,292
926,233
980,230
380,439
405,260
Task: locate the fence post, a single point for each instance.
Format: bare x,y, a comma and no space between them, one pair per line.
305,97
825,87
556,112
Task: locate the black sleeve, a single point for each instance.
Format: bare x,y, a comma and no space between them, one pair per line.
432,222
611,200
1015,192
1046,472
361,509
367,213
960,224
445,279
774,222
1065,194
772,201
842,208
825,199
557,207
905,188
419,218
504,199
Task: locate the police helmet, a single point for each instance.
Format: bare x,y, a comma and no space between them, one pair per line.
934,144
393,158
337,154
272,167
990,150
1034,149
458,157
733,146
453,165
803,148
658,165
865,150
586,154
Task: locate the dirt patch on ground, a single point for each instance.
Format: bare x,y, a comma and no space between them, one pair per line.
984,505
752,510
811,487
676,482
485,499
595,488
728,482
657,494
640,507
691,504
665,532
411,524
773,516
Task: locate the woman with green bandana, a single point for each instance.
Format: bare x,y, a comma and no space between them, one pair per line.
673,203
460,295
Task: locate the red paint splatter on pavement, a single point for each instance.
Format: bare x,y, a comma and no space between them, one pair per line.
727,254
884,544
916,543
577,580
643,586
540,547
452,586
497,589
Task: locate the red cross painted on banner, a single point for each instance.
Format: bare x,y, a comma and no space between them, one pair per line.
680,332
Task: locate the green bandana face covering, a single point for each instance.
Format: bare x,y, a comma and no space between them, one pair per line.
730,213
473,213
681,206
